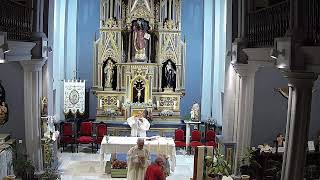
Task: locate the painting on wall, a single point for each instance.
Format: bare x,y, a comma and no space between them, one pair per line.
3,106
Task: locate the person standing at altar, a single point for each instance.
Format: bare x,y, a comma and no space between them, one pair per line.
139,125
138,161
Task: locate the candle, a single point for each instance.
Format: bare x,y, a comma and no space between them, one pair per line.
149,146
174,105
158,149
167,148
118,103
158,104
101,103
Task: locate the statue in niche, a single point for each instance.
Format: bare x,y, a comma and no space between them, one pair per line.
195,111
108,74
140,39
170,74
138,91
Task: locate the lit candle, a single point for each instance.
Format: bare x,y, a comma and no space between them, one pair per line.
158,104
158,149
101,103
174,105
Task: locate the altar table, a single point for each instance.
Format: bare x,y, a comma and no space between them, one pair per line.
161,145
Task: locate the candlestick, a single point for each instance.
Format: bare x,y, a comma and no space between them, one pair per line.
167,148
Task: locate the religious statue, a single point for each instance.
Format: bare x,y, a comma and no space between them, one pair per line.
140,39
170,75
108,74
195,112
138,91
3,106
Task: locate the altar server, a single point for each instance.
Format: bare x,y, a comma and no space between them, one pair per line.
138,161
139,125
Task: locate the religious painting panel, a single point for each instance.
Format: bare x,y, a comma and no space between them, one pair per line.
74,96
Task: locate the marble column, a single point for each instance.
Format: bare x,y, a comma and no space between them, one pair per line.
243,108
32,94
298,119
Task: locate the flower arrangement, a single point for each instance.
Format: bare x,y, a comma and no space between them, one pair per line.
217,165
166,112
117,164
111,112
137,104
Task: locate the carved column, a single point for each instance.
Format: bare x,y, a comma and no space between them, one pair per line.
118,78
32,94
178,76
160,78
298,119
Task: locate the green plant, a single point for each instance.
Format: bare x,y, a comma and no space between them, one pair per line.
217,165
23,167
249,165
50,174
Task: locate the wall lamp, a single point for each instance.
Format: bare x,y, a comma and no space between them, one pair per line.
48,49
5,48
274,53
230,53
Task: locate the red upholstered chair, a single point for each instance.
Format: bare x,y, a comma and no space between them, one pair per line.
195,139
211,138
101,130
179,138
66,135
85,134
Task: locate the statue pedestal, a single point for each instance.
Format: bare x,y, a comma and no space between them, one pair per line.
188,123
168,89
108,89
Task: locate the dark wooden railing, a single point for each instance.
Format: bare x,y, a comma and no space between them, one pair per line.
266,24
16,20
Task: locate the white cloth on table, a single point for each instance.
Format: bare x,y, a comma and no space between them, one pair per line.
138,161
5,161
117,144
139,126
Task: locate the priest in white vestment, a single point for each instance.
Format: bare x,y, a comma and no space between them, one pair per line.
139,125
138,161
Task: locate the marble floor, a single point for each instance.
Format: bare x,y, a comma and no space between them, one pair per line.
86,166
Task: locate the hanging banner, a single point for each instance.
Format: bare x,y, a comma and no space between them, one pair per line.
74,96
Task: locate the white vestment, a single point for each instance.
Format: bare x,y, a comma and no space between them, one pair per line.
138,128
137,166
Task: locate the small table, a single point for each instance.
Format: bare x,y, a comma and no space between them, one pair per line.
188,123
117,144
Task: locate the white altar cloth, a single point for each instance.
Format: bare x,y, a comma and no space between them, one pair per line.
118,144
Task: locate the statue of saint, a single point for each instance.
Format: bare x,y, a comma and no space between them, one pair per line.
3,113
108,74
140,38
195,112
170,75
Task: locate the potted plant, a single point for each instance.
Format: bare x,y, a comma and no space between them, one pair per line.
249,165
50,174
217,166
23,167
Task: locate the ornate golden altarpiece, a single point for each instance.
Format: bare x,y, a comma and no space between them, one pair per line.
139,60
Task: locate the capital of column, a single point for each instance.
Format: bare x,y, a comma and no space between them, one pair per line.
300,79
245,69
32,65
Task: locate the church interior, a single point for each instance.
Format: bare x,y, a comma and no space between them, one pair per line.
200,89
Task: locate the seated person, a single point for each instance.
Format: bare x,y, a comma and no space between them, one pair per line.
156,171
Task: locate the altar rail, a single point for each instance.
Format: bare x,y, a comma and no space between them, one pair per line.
268,23
16,20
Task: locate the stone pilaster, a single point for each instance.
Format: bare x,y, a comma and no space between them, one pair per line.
298,120
243,108
32,94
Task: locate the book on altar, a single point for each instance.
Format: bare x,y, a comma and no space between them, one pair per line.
152,138
311,146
